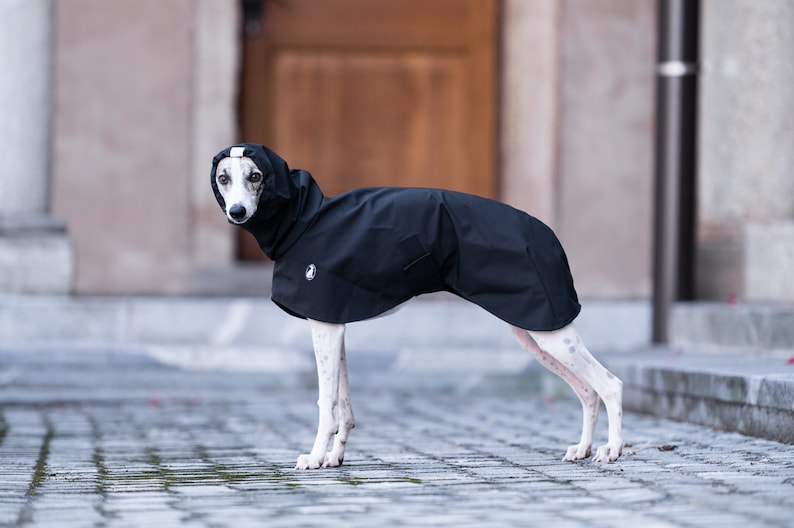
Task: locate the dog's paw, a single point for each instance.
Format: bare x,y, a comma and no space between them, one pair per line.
576,452
608,453
308,462
333,459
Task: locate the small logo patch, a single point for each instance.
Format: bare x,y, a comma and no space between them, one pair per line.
311,272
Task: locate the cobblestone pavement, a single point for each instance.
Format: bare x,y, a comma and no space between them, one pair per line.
93,438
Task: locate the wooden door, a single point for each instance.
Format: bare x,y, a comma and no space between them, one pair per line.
376,92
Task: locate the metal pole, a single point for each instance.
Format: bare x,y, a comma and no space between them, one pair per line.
676,100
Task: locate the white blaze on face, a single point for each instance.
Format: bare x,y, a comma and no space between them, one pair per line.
239,182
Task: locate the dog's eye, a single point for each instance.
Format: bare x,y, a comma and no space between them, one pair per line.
255,177
223,179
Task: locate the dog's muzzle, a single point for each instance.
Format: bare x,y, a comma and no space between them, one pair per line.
237,213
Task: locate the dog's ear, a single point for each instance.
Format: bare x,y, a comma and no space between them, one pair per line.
276,162
215,160
278,185
274,168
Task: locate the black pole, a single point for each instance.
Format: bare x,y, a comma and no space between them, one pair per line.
676,119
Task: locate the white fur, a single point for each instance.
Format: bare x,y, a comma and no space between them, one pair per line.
239,190
336,411
563,352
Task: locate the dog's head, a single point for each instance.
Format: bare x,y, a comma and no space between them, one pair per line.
243,180
239,182
257,191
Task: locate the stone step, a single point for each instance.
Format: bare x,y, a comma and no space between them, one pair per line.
433,320
744,393
758,329
705,377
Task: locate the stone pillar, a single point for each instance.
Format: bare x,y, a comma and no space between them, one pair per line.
530,104
35,253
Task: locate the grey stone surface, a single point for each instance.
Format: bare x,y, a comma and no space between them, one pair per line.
746,140
746,150
753,395
757,329
604,153
770,255
94,437
37,262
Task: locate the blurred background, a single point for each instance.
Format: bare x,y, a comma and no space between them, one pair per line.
110,113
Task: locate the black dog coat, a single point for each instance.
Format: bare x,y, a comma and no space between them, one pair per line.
356,255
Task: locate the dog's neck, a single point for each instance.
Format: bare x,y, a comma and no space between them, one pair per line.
277,226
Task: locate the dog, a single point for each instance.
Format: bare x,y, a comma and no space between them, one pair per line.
363,253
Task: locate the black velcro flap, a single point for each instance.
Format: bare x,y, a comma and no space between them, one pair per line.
418,267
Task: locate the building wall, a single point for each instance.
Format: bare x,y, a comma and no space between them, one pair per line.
137,106
145,93
577,133
746,151
606,147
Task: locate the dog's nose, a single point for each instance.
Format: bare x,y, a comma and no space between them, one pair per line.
237,212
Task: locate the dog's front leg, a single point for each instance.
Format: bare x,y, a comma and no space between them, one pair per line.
345,417
328,340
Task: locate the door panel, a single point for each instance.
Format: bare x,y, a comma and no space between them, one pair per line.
376,92
374,120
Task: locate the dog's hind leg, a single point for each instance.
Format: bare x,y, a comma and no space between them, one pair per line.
329,346
586,394
566,346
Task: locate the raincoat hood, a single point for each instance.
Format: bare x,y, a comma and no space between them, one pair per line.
289,201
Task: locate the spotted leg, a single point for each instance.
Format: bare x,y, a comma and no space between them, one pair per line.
587,396
566,347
